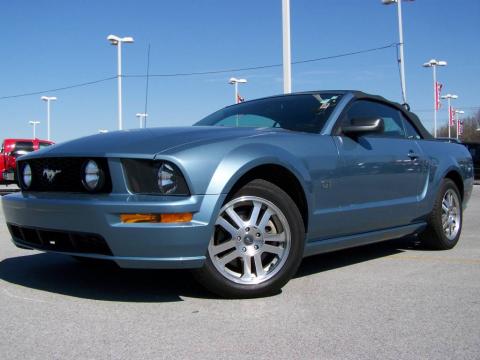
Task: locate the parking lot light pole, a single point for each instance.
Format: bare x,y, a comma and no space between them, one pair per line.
235,81
117,41
287,56
34,124
449,98
142,119
400,47
433,64
48,99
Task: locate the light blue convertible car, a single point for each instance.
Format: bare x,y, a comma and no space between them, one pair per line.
246,193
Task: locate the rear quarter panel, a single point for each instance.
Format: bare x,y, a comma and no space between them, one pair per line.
444,157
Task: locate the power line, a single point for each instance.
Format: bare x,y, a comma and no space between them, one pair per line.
58,89
460,107
364,51
268,66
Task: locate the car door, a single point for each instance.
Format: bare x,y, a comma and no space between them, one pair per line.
379,182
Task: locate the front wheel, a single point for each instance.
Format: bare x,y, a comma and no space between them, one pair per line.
257,244
445,220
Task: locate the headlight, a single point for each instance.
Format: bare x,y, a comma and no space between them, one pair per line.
27,176
92,176
166,179
154,177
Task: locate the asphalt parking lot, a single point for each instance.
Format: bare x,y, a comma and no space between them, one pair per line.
385,301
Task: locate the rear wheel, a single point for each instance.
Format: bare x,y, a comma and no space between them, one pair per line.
445,220
257,244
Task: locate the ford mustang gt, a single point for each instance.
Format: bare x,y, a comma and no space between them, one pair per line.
244,194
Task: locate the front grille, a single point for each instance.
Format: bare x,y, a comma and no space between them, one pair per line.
68,177
57,240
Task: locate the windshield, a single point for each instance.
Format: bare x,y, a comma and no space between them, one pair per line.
302,112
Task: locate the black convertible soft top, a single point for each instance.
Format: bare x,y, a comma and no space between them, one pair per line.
413,117
362,95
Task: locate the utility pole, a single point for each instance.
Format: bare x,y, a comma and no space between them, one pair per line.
287,58
48,99
449,97
433,64
117,41
34,124
143,119
400,46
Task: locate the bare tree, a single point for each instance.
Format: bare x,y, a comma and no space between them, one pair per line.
471,129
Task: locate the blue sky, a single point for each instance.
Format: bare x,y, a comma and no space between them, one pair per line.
51,44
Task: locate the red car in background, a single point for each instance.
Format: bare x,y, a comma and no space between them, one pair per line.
13,148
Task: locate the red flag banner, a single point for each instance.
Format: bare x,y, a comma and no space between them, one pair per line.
451,116
438,90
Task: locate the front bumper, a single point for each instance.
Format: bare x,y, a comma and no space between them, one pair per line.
140,245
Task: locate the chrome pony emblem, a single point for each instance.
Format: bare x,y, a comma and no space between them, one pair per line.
50,174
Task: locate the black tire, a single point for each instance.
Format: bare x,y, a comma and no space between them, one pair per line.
434,237
213,280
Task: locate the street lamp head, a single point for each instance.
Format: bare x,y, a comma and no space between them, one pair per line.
233,80
449,96
459,111
114,40
389,2
434,62
34,122
48,98
141,115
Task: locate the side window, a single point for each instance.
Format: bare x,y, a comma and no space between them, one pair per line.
393,124
410,131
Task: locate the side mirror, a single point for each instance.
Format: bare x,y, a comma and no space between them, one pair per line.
361,126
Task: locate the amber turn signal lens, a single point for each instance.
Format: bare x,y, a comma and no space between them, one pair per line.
156,218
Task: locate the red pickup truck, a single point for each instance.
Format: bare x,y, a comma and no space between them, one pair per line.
13,148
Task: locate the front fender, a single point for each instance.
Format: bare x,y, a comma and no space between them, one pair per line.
244,158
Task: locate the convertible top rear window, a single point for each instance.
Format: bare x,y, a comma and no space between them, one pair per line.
302,112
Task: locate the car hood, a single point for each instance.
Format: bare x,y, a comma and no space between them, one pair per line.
144,142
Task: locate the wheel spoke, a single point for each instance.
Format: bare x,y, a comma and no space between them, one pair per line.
445,224
247,267
255,212
265,218
217,249
272,249
226,225
275,237
234,216
229,257
258,265
444,206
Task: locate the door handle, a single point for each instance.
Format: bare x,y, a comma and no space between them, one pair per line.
412,155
